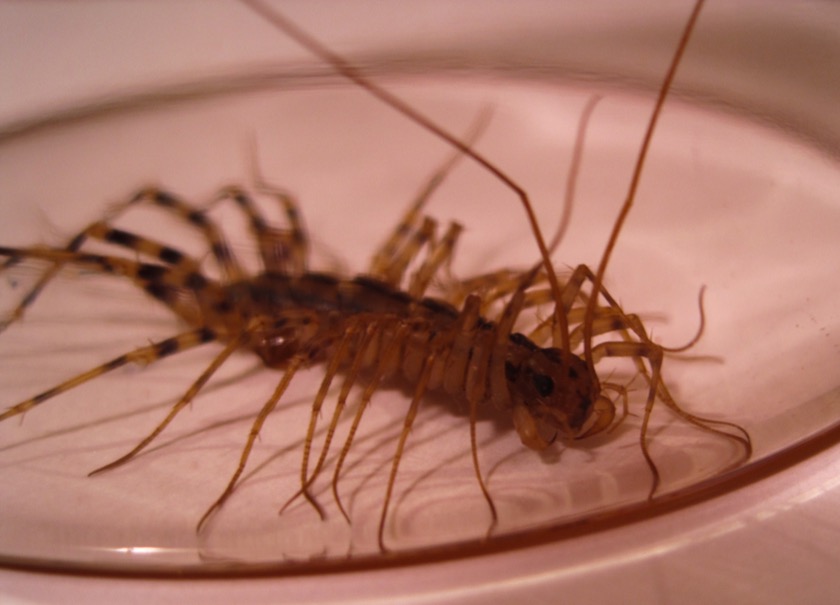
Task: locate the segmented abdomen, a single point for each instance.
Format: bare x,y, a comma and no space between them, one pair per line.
311,314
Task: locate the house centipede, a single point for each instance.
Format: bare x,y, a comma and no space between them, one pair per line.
380,325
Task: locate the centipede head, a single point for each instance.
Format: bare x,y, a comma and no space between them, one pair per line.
555,392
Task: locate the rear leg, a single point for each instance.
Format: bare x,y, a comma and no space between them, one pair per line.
102,231
231,269
187,293
281,250
143,356
185,400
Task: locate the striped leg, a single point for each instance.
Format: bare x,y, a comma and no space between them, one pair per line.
217,362
189,294
281,250
101,230
143,355
230,268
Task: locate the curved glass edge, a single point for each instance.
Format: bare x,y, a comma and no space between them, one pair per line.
747,474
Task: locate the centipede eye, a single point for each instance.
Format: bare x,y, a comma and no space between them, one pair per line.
544,384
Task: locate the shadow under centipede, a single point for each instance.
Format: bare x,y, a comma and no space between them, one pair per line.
207,429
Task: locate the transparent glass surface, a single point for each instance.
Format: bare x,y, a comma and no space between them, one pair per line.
738,194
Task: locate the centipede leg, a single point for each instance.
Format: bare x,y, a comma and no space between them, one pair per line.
349,381
439,254
419,392
281,250
208,372
475,383
655,354
411,220
494,515
338,357
464,370
184,292
491,287
383,258
612,317
293,366
359,361
143,355
389,351
504,282
101,230
392,273
708,424
229,266
635,344
606,319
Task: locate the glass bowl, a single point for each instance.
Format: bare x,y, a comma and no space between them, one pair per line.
737,195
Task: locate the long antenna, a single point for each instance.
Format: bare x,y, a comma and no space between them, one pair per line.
634,182
352,73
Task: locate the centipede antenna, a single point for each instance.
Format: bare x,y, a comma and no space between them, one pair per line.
572,173
634,182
